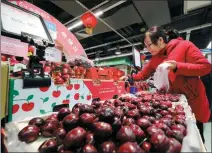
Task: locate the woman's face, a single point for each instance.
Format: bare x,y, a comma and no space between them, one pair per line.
154,48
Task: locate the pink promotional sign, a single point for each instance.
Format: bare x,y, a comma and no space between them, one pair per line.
70,45
14,47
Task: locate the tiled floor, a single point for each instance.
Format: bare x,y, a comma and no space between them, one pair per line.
207,135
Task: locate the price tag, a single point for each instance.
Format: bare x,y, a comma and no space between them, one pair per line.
18,67
53,54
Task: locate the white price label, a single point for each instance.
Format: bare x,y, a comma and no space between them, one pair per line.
17,21
53,54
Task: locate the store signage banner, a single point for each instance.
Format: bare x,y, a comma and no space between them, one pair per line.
61,35
14,47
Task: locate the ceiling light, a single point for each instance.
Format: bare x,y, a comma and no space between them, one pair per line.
209,46
77,24
117,52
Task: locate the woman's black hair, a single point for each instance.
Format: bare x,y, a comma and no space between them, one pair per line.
167,34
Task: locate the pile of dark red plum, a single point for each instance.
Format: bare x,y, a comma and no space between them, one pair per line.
133,125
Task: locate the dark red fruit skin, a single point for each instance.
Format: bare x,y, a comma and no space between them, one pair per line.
88,148
153,129
162,126
29,134
87,119
107,114
133,113
70,122
128,121
160,142
90,138
130,106
139,133
116,124
168,116
146,146
61,150
178,135
74,138
151,119
130,147
126,134
85,108
167,121
143,123
60,134
118,113
37,121
108,147
102,130
77,105
180,128
48,128
96,104
175,146
63,113
145,111
48,146
163,112
52,117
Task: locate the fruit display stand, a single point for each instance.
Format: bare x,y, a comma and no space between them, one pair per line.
191,143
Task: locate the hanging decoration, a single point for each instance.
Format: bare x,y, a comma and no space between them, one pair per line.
90,21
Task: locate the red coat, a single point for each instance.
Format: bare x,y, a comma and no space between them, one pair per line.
191,64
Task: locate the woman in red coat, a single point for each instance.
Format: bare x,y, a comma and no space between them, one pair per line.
187,64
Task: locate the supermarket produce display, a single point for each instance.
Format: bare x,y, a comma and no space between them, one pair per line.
85,108
135,124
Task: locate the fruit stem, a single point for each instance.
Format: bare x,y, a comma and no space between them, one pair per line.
142,141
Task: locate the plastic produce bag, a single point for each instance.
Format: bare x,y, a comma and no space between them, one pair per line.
161,80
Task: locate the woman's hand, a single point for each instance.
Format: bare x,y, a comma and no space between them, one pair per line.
173,64
123,78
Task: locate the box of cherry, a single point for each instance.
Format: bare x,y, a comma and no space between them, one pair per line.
126,124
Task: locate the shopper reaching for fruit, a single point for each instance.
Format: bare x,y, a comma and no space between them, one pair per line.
186,65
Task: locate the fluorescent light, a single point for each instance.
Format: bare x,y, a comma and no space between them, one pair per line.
77,24
117,52
209,46
97,14
94,53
